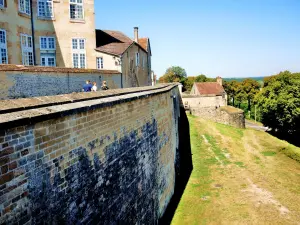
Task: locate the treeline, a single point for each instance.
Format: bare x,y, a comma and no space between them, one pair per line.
178,74
277,100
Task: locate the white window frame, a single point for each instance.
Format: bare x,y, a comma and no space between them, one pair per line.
99,64
45,2
24,10
47,57
2,4
137,59
26,49
76,3
3,46
47,43
79,51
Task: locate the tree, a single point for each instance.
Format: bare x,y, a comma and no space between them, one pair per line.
279,102
250,88
173,74
201,78
240,94
231,89
188,83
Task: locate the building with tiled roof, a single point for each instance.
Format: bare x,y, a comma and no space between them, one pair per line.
208,88
208,95
132,57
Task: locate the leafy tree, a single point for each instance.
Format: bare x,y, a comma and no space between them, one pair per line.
240,94
250,88
231,89
201,78
173,74
188,83
279,102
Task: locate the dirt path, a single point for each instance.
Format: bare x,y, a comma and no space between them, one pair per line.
239,177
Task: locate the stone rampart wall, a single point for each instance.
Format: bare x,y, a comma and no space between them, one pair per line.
226,115
111,160
37,81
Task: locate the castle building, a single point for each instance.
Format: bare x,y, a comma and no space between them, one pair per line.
61,33
206,94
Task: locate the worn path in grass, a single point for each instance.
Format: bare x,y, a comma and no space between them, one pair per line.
240,177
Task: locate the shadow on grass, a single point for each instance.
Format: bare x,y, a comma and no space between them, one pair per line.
292,139
184,168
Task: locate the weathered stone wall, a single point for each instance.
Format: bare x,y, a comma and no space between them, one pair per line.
104,161
226,115
136,75
31,83
204,101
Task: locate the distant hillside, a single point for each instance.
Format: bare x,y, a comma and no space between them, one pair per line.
259,79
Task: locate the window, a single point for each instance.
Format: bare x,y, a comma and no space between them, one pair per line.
1,3
45,8
27,50
47,43
99,63
76,9
137,59
3,47
78,53
144,62
24,6
48,59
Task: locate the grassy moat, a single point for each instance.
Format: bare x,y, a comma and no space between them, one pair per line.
240,177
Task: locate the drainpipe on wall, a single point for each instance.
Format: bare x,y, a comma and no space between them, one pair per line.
32,33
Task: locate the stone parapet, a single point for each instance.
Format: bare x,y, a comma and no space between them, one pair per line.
110,157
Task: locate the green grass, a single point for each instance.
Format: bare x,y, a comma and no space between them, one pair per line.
225,159
216,149
268,153
240,164
291,152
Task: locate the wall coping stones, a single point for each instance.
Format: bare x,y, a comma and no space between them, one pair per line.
231,110
22,68
32,110
198,96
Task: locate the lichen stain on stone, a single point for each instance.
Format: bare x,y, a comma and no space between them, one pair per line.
106,190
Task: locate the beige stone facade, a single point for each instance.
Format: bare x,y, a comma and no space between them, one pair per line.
58,25
132,57
135,72
204,101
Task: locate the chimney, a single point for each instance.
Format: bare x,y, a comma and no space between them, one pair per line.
219,80
136,34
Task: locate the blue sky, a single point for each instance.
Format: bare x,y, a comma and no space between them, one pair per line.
228,38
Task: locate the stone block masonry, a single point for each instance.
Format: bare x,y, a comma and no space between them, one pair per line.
24,82
226,115
110,160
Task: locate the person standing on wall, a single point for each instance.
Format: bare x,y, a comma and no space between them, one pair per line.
87,87
94,88
104,86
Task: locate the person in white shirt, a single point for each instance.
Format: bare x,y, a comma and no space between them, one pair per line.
94,88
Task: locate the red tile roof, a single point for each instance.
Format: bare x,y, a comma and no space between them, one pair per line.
144,43
114,48
118,35
210,88
116,43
